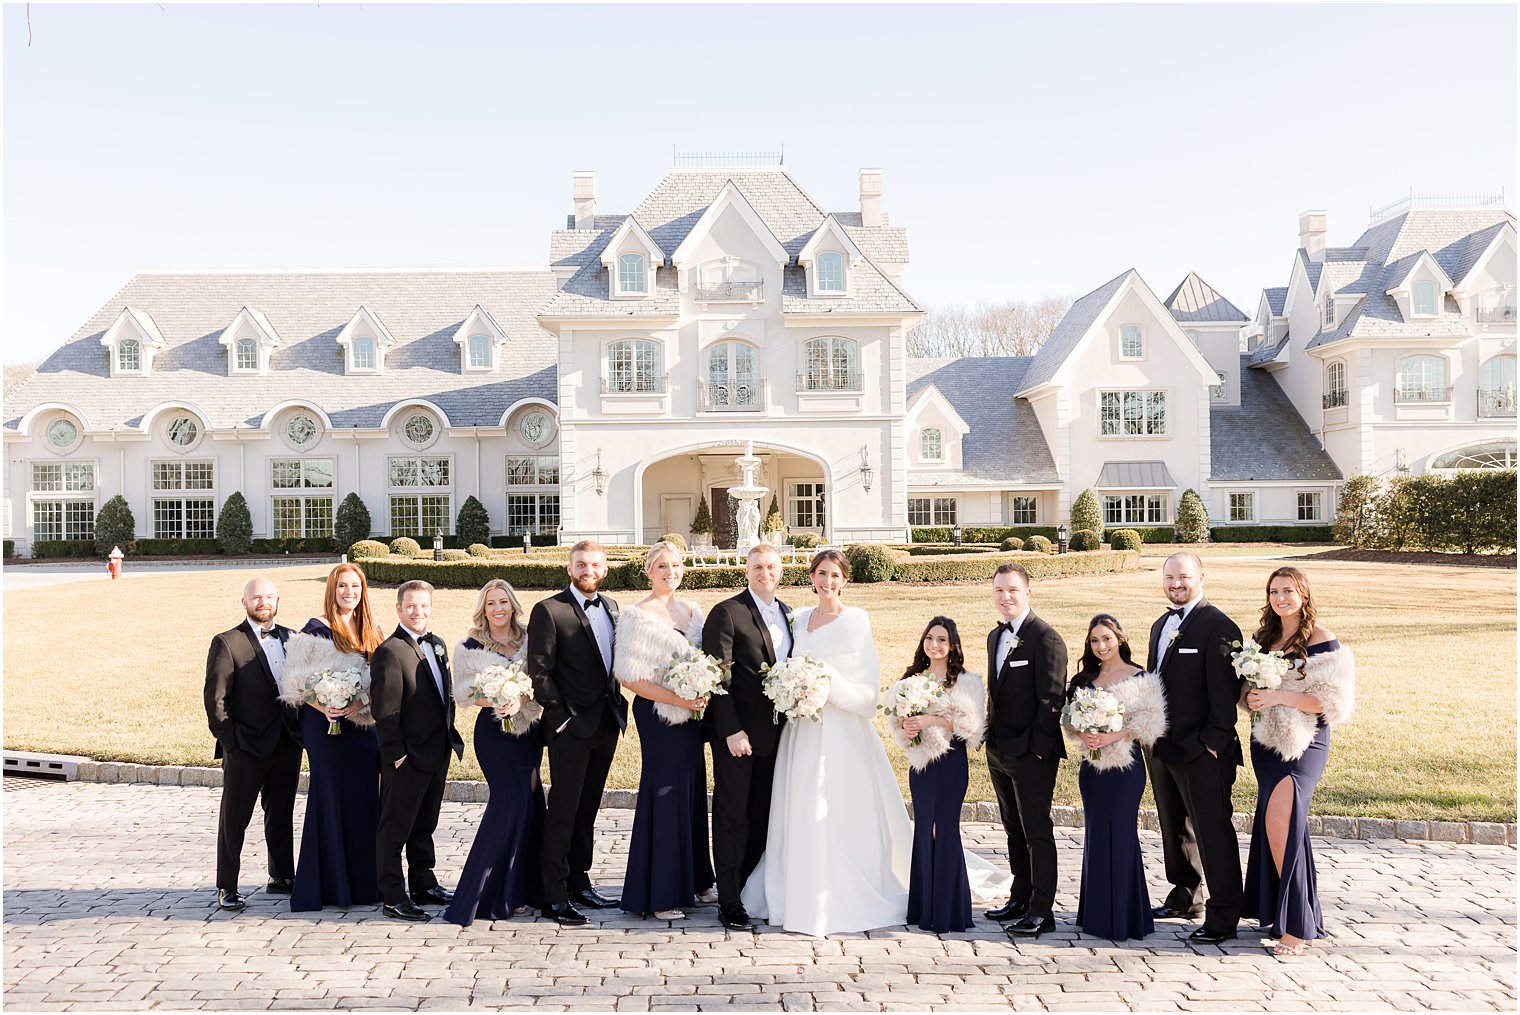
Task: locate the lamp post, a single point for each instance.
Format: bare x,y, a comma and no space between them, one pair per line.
438,545
955,533
527,543
1063,538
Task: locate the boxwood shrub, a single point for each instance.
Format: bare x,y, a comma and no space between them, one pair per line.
1271,534
367,548
61,548
980,533
1124,539
870,562
510,542
1010,544
1155,533
405,546
1038,544
10,548
1085,539
174,548
314,544
953,569
933,549
474,572
478,550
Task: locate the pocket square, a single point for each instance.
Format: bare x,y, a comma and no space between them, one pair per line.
1187,651
1018,662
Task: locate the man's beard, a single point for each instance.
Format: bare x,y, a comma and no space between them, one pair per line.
261,614
587,583
1179,597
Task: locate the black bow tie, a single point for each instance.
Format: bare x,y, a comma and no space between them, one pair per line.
1007,625
1176,611
270,633
595,602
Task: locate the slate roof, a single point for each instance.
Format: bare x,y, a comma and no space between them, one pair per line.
1277,298
421,309
1264,439
1194,300
1068,333
1268,353
1006,444
1311,268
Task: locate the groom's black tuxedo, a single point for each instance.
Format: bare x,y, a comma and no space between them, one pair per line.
736,634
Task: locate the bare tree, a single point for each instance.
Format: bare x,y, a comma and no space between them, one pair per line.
1014,328
15,373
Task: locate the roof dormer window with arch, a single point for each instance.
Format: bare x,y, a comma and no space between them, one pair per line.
480,342
1419,285
931,444
1423,303
631,275
250,340
631,258
829,259
830,272
129,356
364,341
1132,342
132,341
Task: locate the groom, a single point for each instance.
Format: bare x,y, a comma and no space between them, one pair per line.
749,631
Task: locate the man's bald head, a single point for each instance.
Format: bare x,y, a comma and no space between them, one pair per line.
1182,578
260,600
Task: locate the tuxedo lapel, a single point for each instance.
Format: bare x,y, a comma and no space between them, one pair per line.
258,651
992,674
423,669
1166,652
585,622
765,632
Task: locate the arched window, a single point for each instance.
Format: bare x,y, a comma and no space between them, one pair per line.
363,349
1335,385
833,364
931,444
480,351
633,365
1422,379
828,273
1496,455
128,354
631,273
1131,341
1424,299
1497,396
247,354
732,376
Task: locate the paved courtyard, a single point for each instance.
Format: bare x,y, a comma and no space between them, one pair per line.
107,905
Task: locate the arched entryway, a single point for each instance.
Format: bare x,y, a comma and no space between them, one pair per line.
668,488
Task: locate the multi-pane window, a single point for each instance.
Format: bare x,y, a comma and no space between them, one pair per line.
1335,383
1311,506
480,351
183,517
58,512
63,477
804,505
1131,341
533,470
1024,511
420,513
1132,413
631,273
931,444
246,354
833,364
1422,379
931,510
128,354
536,513
363,351
303,501
1134,509
1424,299
1242,507
828,273
1329,310
633,365
1220,392
183,431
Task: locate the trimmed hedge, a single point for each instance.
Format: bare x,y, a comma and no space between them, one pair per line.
674,537
1124,539
174,548
1084,540
980,533
478,550
1271,534
1055,566
368,548
59,548
10,548
515,542
805,540
1010,544
456,554
933,549
315,544
405,546
1155,533
1039,544
1470,511
870,562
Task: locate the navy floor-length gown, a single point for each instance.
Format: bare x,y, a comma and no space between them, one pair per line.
1114,902
337,862
939,892
669,863
502,870
1287,903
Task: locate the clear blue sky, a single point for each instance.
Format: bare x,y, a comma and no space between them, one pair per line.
1028,150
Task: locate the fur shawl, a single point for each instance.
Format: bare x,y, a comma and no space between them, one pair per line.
1144,703
1329,678
470,661
645,647
965,705
305,654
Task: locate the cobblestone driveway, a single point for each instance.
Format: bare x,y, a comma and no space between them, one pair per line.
107,905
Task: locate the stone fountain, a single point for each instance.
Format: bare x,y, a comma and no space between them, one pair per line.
748,493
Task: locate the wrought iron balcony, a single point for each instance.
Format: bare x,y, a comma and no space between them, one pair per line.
748,397
1496,315
1415,395
729,292
636,385
1335,399
830,381
1496,402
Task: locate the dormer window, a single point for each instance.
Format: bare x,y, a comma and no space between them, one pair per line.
246,354
1131,342
365,340
364,353
631,276
131,342
129,355
829,272
478,337
1329,311
931,444
828,256
631,258
480,352
1424,304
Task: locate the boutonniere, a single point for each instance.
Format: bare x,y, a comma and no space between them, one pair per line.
1014,647
1172,639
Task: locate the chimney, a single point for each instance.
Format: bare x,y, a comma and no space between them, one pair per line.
870,197
1311,234
585,200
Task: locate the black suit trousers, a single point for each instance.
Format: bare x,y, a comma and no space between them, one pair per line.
741,816
410,797
578,770
248,779
1024,787
1198,838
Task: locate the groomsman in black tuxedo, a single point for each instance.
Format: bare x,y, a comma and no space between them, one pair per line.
412,700
1192,767
1026,687
570,641
258,740
751,630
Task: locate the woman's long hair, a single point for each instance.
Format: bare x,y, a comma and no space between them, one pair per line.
369,634
480,627
1271,629
955,664
1087,670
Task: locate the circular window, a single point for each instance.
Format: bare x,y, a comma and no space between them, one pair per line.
536,428
301,431
183,431
62,433
418,429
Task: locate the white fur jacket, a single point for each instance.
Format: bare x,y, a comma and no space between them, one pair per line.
468,662
1144,703
646,646
305,654
965,705
1329,678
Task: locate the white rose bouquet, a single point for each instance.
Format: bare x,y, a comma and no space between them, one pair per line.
335,689
502,684
910,696
797,687
1261,669
1094,710
693,674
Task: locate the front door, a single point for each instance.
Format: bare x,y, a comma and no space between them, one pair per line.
725,534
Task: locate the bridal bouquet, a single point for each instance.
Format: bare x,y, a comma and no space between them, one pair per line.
1261,669
1094,710
911,696
693,674
334,688
502,684
797,687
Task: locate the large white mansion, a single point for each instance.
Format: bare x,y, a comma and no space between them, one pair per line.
608,392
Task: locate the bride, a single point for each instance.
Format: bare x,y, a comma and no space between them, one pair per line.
839,845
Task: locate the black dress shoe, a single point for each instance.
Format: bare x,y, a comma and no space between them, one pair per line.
1205,936
735,918
1028,926
1012,911
280,886
591,899
406,911
1165,911
435,896
230,901
566,915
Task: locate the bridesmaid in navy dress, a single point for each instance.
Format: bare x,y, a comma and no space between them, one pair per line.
337,862
1114,902
1290,743
501,874
939,891
669,864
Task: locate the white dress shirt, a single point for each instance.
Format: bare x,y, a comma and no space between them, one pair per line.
1173,622
1005,639
431,657
273,649
601,623
775,623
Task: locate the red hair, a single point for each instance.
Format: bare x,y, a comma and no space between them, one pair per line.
369,635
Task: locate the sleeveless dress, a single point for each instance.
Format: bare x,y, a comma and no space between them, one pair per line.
337,862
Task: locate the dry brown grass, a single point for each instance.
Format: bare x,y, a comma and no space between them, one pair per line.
115,670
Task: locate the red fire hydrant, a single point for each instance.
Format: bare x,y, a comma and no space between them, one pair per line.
115,563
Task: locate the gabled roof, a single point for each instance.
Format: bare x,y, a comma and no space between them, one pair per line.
1194,300
1277,297
830,227
1478,244
729,198
630,227
1311,269
1005,444
931,395
364,319
1399,271
479,318
260,323
1264,439
139,321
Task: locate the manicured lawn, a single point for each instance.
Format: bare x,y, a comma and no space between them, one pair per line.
115,670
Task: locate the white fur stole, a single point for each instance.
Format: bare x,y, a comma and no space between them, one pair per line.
1329,678
1144,702
965,705
305,654
470,661
646,648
